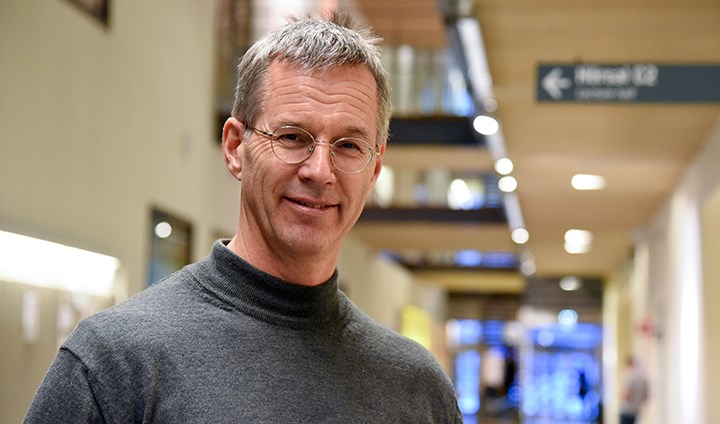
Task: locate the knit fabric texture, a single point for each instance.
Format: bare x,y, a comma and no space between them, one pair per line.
223,342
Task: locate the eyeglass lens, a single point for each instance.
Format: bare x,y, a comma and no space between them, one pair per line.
294,145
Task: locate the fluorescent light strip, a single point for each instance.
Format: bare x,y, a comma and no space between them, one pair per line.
42,263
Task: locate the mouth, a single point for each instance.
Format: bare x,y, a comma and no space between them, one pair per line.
310,204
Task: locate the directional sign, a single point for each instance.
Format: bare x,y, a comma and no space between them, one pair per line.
628,83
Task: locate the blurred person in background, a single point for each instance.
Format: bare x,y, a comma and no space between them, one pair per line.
634,392
258,330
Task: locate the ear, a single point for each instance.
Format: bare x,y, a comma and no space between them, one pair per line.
232,137
378,162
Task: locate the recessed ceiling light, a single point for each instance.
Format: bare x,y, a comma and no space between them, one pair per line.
520,235
575,236
578,241
503,166
570,283
528,267
486,125
507,184
587,182
577,249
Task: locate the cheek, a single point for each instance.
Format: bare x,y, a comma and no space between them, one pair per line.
358,194
257,177
258,164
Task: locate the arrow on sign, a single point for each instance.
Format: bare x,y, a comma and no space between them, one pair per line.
554,83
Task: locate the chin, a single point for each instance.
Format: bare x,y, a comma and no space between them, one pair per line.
328,242
306,241
309,249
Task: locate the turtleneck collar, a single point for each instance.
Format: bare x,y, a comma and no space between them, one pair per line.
243,287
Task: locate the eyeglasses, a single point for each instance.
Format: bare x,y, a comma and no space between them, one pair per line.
294,145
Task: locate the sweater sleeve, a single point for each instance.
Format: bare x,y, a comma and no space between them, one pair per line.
65,395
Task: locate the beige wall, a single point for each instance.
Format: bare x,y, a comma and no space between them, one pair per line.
682,295
616,329
24,360
382,289
98,125
711,301
23,363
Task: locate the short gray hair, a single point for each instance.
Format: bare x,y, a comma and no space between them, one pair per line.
317,44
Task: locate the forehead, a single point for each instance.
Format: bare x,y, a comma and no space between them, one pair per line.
344,96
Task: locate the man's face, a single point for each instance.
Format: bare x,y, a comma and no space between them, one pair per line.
306,209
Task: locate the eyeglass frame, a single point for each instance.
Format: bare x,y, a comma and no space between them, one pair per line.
271,135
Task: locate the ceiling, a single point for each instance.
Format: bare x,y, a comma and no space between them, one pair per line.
641,149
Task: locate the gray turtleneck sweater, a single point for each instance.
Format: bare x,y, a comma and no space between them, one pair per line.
223,342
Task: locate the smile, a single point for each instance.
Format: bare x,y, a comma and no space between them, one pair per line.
311,205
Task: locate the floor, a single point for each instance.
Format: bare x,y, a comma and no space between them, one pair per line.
491,420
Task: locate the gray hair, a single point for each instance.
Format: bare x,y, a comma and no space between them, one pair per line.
316,44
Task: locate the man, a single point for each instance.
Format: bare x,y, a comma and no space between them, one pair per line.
634,392
258,332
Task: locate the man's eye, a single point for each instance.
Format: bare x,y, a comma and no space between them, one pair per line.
350,146
292,138
353,147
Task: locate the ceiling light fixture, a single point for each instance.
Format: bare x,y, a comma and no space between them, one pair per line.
63,267
587,182
459,195
570,283
507,184
520,235
528,268
578,241
527,263
504,166
486,125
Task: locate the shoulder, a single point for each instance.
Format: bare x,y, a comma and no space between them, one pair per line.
136,322
394,349
110,359
403,368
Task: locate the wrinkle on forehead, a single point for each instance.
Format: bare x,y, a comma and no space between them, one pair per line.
347,92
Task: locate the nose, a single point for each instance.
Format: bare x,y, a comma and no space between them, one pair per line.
318,166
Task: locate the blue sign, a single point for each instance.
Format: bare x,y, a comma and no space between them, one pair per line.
628,83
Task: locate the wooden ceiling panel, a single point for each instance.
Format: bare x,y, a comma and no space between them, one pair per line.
413,22
641,149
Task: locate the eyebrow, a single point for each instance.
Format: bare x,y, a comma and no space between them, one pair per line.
279,124
352,130
358,131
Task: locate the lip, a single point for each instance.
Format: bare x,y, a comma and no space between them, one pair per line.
312,204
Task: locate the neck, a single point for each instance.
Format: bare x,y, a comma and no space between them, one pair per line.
305,270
